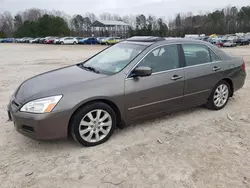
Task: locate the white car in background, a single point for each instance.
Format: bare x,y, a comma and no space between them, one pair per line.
68,40
229,43
57,41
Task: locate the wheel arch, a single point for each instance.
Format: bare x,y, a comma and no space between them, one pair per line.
106,101
230,82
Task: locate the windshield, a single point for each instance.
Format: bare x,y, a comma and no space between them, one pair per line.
115,58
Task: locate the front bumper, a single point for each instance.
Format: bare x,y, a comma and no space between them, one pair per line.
46,126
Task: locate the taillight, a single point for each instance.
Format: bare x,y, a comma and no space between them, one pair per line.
243,67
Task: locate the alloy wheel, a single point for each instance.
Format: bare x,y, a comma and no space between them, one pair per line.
95,125
221,95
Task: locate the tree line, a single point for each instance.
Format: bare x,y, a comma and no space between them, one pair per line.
37,23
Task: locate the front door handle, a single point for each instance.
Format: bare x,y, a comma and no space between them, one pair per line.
216,68
176,77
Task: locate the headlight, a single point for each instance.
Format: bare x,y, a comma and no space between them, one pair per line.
43,105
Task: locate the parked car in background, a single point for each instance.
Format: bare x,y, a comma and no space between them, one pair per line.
57,40
133,80
103,41
78,39
8,40
113,40
68,40
36,40
229,43
17,40
25,40
41,40
204,38
242,41
99,39
220,42
50,40
90,40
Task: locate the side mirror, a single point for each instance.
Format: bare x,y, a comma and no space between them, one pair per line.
142,71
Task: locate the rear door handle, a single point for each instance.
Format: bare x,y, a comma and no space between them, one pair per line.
176,77
216,68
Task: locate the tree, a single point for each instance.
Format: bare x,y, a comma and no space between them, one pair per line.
18,21
91,16
7,24
163,28
77,23
178,25
106,16
87,23
150,25
32,14
45,26
117,17
141,25
37,22
243,19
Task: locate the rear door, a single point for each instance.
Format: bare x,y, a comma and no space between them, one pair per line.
159,92
66,40
202,72
71,40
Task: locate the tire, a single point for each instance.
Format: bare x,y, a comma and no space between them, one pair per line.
62,42
223,97
93,128
74,43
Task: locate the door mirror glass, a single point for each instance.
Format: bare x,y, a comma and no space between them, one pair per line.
142,71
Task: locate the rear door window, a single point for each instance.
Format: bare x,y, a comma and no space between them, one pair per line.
214,57
196,54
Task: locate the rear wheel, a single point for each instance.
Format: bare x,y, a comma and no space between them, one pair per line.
74,42
93,124
219,96
62,42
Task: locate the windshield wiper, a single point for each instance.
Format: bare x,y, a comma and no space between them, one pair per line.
91,69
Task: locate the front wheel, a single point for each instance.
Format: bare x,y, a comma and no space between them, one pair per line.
219,96
93,124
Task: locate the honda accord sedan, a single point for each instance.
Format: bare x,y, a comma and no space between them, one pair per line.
137,79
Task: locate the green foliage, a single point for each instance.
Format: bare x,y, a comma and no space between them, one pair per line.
45,26
34,23
226,21
149,26
2,34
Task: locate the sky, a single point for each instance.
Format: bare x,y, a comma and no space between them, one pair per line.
162,8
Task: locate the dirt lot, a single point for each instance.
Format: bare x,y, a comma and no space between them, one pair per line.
200,148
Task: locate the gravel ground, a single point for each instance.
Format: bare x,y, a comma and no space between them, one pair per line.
193,148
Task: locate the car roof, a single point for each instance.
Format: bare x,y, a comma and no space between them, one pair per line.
145,39
149,40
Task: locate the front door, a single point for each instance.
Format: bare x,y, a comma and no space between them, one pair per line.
159,92
202,72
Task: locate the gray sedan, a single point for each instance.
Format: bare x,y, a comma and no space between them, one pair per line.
137,79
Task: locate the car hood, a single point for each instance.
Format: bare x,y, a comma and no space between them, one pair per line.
51,83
